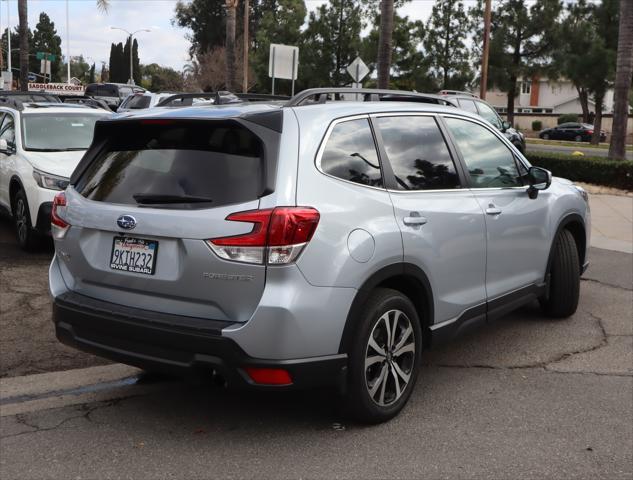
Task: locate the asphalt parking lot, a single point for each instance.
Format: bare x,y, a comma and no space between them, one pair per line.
526,397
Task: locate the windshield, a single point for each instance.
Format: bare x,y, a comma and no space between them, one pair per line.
60,132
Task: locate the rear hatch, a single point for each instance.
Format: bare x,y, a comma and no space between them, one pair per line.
145,199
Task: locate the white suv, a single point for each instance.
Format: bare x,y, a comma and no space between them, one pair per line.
40,146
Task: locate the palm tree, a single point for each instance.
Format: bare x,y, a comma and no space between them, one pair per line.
103,5
231,72
384,43
623,74
24,45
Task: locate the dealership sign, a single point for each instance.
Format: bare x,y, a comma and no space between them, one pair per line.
57,88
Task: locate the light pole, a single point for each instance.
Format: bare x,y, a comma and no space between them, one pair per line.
131,80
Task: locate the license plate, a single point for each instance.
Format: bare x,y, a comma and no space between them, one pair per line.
134,255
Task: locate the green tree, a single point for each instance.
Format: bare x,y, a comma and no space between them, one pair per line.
281,24
408,64
92,75
446,47
522,43
117,69
330,43
571,59
79,68
45,39
158,78
34,64
603,51
125,63
206,21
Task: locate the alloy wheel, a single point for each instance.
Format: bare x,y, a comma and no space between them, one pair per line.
21,222
389,357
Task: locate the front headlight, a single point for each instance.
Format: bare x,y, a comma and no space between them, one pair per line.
52,182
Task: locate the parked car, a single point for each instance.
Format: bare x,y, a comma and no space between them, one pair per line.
142,100
112,93
577,132
40,145
473,104
330,244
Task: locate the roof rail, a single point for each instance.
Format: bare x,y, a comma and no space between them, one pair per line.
11,103
321,95
261,97
458,92
217,98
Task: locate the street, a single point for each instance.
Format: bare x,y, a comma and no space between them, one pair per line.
582,147
525,397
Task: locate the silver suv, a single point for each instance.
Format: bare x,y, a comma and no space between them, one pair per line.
311,243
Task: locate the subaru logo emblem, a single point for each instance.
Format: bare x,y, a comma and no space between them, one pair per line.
126,221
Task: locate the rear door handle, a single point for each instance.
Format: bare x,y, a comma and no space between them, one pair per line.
414,219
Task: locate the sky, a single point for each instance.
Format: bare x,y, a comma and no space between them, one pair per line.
91,35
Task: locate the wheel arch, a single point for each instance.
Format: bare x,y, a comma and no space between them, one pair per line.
576,226
406,278
15,184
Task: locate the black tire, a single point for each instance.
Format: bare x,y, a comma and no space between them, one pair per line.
359,402
545,136
578,138
26,236
564,278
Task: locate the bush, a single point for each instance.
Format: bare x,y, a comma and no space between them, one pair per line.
537,126
596,170
567,117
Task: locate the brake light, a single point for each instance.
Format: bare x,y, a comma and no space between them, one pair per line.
269,376
590,132
277,238
59,226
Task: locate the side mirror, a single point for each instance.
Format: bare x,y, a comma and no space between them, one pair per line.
505,125
5,148
539,179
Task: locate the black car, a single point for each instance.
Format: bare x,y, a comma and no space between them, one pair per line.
470,103
576,132
112,93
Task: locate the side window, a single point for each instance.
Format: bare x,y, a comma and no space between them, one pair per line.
488,161
489,114
417,153
468,105
350,154
7,130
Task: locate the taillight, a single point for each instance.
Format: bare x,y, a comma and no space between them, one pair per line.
590,132
59,227
278,236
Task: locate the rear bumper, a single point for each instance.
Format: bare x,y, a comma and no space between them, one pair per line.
176,345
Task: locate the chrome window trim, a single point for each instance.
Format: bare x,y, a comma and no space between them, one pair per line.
367,116
325,139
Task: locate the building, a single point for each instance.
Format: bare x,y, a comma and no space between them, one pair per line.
541,95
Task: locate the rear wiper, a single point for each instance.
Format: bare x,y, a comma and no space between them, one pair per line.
149,198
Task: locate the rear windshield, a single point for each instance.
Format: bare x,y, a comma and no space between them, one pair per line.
138,102
180,165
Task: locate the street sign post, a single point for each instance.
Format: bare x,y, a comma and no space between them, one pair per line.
283,62
357,69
